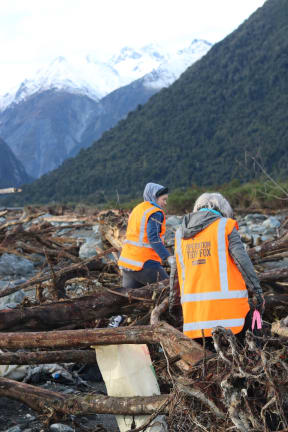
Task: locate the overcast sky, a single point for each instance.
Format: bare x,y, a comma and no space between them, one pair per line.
32,32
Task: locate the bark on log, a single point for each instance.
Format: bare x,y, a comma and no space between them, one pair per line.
281,327
41,400
172,340
171,344
44,251
46,357
258,252
274,275
21,221
74,311
79,338
62,275
158,310
54,315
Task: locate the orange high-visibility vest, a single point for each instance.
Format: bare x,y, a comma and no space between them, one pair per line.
137,249
213,291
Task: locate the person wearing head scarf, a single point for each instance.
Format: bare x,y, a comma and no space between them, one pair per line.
143,251
214,270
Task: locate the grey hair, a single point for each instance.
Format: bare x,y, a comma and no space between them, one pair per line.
214,201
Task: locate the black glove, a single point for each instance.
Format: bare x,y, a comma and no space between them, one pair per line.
257,301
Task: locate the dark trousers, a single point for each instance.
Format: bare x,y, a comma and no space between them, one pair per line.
148,275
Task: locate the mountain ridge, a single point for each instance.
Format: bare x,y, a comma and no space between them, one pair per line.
90,77
234,100
12,172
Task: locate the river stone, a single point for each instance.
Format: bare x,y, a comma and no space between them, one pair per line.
59,427
271,222
13,300
14,265
255,217
172,223
14,429
88,249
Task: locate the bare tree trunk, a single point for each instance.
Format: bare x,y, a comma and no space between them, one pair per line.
41,400
267,247
62,275
46,357
281,327
171,339
75,311
274,275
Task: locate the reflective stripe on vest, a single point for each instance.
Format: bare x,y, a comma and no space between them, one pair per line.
142,232
238,322
180,256
147,245
136,248
142,224
225,293
213,291
133,262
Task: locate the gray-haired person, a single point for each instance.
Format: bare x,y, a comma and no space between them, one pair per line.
214,270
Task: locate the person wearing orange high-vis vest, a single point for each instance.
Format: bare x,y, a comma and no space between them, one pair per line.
214,270
143,250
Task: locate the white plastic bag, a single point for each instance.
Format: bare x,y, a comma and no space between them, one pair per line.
127,370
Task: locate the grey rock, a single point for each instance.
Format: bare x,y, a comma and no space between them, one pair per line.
88,249
2,220
92,240
14,429
12,300
172,223
30,417
258,229
14,265
255,217
267,237
59,427
271,222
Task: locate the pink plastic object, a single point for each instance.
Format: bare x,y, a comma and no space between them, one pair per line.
256,319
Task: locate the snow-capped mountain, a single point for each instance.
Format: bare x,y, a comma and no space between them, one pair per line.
89,77
69,104
172,68
92,79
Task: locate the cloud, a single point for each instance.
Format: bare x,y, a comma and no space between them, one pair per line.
34,31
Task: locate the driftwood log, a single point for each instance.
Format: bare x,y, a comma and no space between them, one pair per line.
43,400
45,357
171,339
94,263
268,248
76,312
281,327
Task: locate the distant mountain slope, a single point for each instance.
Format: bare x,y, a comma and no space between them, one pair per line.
197,130
58,112
12,172
42,130
113,108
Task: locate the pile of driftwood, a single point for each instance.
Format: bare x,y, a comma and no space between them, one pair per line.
234,388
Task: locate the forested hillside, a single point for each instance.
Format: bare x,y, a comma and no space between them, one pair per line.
196,131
